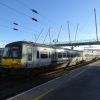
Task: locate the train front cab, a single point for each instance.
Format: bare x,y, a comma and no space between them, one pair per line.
18,56
12,56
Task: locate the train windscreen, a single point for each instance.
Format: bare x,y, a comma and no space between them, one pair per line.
12,52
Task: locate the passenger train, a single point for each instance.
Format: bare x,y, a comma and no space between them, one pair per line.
30,55
1,53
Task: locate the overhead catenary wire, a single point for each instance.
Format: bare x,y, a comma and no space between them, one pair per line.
9,21
19,30
16,27
17,11
25,5
11,8
16,24
13,28
33,10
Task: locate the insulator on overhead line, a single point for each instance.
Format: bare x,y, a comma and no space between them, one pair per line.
35,19
15,23
34,11
15,29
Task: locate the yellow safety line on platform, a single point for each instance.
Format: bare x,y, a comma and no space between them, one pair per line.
44,94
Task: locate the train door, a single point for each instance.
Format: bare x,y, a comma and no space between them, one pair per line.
30,57
54,56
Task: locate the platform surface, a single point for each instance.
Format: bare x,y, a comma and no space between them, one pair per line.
86,86
80,84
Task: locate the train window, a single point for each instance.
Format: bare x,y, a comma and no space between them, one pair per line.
6,52
44,56
59,55
1,52
38,54
49,54
76,54
68,55
12,52
71,55
15,52
64,55
53,55
29,52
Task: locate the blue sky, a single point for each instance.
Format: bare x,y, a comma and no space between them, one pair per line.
53,14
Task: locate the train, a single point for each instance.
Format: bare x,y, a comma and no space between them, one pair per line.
1,53
30,55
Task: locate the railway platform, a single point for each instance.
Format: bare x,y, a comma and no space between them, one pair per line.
79,84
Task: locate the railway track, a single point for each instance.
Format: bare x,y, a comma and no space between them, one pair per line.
10,87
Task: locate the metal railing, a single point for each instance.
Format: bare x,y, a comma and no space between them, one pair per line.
76,43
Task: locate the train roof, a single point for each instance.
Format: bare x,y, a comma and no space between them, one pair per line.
72,49
19,43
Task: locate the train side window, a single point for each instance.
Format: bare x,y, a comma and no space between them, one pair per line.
64,55
44,56
52,55
55,55
71,55
68,55
29,54
59,55
49,54
38,54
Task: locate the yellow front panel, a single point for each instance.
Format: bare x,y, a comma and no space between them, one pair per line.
11,63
